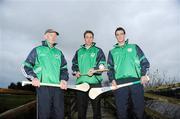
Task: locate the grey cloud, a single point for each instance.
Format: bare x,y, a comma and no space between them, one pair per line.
152,24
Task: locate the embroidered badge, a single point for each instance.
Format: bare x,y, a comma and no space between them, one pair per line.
92,54
129,49
57,56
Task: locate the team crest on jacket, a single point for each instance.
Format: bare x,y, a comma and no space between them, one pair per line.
92,54
57,56
129,49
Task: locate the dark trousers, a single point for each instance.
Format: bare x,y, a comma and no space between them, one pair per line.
82,105
135,93
50,103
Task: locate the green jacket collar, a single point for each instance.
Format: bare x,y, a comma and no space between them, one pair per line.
84,46
47,44
118,46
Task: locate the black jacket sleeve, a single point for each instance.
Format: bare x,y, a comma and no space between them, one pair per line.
100,59
144,63
75,66
27,67
64,75
111,72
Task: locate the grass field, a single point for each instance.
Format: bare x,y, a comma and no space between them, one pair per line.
8,101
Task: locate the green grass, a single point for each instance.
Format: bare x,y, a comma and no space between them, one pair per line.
11,101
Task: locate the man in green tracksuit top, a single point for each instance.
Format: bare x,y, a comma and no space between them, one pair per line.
127,63
86,59
47,64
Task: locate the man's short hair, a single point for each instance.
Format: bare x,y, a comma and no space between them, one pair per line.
120,29
88,31
51,31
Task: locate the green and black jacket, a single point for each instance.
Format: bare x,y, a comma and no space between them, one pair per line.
127,63
84,60
46,63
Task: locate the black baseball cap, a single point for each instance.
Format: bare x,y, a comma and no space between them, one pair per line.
51,31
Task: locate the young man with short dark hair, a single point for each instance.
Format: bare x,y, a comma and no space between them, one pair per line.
127,63
88,58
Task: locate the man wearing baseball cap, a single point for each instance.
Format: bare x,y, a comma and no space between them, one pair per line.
47,64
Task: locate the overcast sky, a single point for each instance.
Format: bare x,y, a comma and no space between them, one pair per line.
152,24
